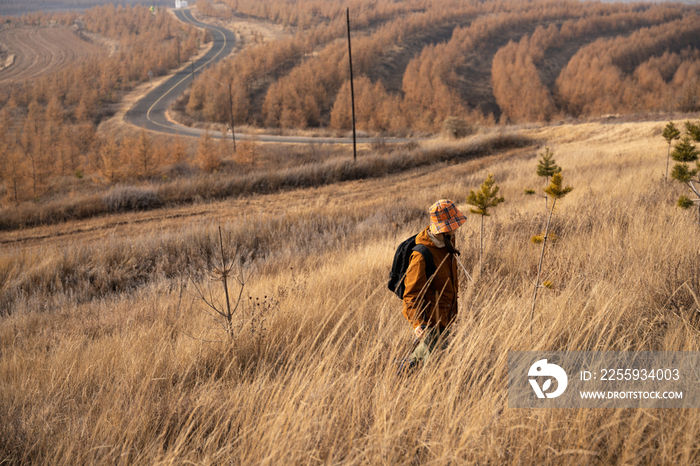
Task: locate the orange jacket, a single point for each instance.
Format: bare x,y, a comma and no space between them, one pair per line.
436,304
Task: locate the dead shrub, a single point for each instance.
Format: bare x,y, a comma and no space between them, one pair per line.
457,128
122,198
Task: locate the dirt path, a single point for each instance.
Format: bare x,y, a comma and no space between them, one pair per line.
41,51
365,193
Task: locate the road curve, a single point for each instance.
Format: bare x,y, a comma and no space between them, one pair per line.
149,111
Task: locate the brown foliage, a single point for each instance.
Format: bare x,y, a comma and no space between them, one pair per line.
110,161
178,153
409,76
248,152
49,129
375,109
516,83
632,73
208,154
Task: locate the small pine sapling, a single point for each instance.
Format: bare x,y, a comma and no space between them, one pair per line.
693,130
670,133
556,191
684,154
546,167
483,199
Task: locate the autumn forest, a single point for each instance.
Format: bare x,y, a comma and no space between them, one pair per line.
417,64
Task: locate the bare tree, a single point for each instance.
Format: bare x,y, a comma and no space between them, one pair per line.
223,264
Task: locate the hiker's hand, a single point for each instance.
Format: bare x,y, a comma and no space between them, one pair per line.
419,331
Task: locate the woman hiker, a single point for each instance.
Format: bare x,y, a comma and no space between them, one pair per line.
430,303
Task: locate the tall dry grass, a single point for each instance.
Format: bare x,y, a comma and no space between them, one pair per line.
311,376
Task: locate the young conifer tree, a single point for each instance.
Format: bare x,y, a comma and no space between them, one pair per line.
693,130
546,167
482,200
670,133
556,191
684,154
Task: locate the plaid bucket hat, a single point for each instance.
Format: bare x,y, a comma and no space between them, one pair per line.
445,216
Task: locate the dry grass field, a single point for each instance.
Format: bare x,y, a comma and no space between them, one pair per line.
108,356
41,51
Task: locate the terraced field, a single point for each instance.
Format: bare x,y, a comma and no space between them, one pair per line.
27,53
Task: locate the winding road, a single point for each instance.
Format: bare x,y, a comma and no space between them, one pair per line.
149,112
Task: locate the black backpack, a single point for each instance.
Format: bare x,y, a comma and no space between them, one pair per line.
401,259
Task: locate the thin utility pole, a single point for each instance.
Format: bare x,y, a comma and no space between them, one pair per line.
192,61
230,104
352,94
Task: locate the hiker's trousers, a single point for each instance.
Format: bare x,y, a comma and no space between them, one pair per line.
433,341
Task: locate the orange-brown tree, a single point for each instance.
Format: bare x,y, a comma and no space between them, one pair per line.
208,154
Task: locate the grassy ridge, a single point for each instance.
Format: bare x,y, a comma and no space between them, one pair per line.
86,272
219,186
310,377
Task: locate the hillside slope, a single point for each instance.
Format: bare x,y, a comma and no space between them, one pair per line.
480,61
42,51
107,353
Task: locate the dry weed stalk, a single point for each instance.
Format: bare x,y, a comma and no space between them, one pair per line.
223,269
557,191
